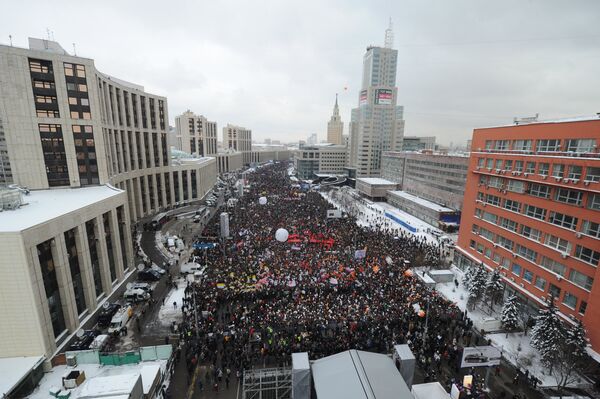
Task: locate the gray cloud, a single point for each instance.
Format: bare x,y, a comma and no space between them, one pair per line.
275,66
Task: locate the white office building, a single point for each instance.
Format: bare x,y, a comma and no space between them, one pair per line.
195,135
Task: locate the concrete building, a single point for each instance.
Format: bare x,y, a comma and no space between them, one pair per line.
5,170
374,187
312,139
436,215
414,143
195,134
435,177
325,159
238,138
335,126
377,124
532,210
93,151
229,161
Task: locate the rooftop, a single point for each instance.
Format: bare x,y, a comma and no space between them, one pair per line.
14,369
41,206
583,118
376,181
421,201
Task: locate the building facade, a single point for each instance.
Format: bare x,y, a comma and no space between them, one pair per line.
335,126
320,159
229,161
238,138
195,134
532,210
95,147
377,124
439,178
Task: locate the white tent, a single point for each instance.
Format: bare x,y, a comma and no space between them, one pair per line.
357,375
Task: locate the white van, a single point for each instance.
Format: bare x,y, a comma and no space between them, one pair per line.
190,268
136,295
100,342
118,324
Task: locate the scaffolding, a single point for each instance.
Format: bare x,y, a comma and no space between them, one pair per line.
272,383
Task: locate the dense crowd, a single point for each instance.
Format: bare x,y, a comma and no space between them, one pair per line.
260,299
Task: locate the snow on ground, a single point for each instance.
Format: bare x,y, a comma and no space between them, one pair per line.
167,313
54,377
516,348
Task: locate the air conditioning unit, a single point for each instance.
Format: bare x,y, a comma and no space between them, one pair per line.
575,181
477,168
557,178
578,235
522,285
558,277
564,255
503,191
565,180
512,279
484,204
72,360
525,174
586,183
518,173
514,255
497,170
544,177
495,245
514,173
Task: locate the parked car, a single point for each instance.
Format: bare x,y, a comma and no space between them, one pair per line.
158,269
108,311
190,268
84,342
136,295
143,286
149,275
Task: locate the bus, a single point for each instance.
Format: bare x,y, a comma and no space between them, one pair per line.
159,220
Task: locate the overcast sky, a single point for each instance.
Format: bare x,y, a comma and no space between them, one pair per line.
275,66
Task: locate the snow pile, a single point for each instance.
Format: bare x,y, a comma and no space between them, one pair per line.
167,314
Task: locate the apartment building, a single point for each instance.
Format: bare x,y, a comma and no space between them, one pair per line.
238,138
324,159
195,134
532,210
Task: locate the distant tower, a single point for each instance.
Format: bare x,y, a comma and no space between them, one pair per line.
389,36
335,126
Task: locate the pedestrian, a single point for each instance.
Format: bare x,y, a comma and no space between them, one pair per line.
175,305
497,371
227,382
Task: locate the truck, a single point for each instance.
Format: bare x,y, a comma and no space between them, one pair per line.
136,295
118,324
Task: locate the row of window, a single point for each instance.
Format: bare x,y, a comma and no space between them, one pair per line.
569,299
543,145
557,170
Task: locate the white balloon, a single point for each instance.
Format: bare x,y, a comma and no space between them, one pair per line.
262,200
282,235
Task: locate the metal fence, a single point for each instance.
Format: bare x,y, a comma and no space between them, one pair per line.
272,383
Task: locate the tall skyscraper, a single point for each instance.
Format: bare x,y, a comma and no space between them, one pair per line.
195,134
335,126
376,124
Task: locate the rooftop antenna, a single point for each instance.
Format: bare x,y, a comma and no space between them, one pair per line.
47,33
10,39
389,35
74,49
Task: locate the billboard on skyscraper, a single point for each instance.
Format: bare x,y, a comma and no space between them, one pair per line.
362,99
383,97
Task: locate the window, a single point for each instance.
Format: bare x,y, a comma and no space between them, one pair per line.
39,84
558,170
581,279
472,244
498,164
518,166
581,145
592,173
553,266
40,66
570,300
511,205
539,190
505,263
508,224
562,220
569,196
497,258
594,201
516,269
530,167
496,182
505,242
575,172
480,162
548,145
485,233
554,290
490,217
493,200
590,228
522,145
68,69
527,253
73,100
501,145
43,113
582,307
489,163
535,212
527,276
558,243
587,255
516,186
531,233
540,283
543,169
508,164
489,144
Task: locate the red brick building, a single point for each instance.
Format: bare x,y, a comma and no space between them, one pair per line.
532,209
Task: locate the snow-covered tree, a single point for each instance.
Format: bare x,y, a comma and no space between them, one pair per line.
548,335
493,287
510,314
476,286
468,277
574,356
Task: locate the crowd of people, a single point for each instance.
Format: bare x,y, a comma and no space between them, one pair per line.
333,285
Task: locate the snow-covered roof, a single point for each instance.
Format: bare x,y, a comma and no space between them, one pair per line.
120,384
356,375
149,373
45,205
558,120
375,181
14,369
421,201
431,390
